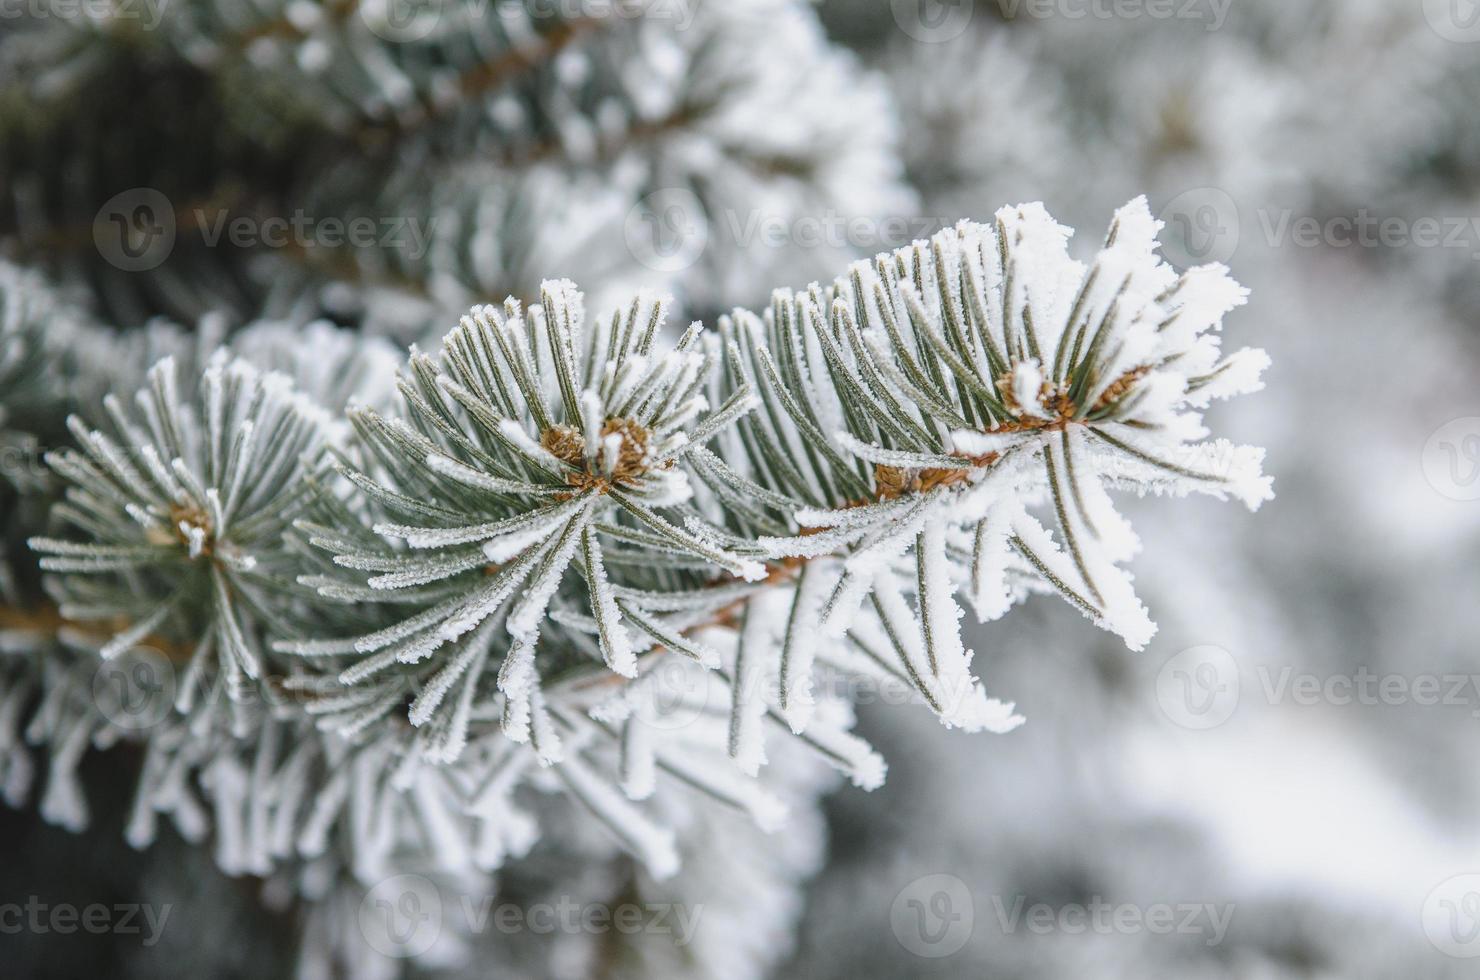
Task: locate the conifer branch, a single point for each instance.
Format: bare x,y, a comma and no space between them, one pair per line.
504,558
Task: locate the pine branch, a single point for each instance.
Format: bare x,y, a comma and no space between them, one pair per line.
513,547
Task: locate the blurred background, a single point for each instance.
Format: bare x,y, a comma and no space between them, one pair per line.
1279,751
1281,786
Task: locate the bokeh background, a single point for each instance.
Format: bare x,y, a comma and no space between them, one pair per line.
1336,825
1292,757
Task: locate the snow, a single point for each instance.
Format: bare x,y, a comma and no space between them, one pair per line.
799,648
654,846
752,675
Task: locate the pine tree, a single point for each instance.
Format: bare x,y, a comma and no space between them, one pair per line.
566,564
